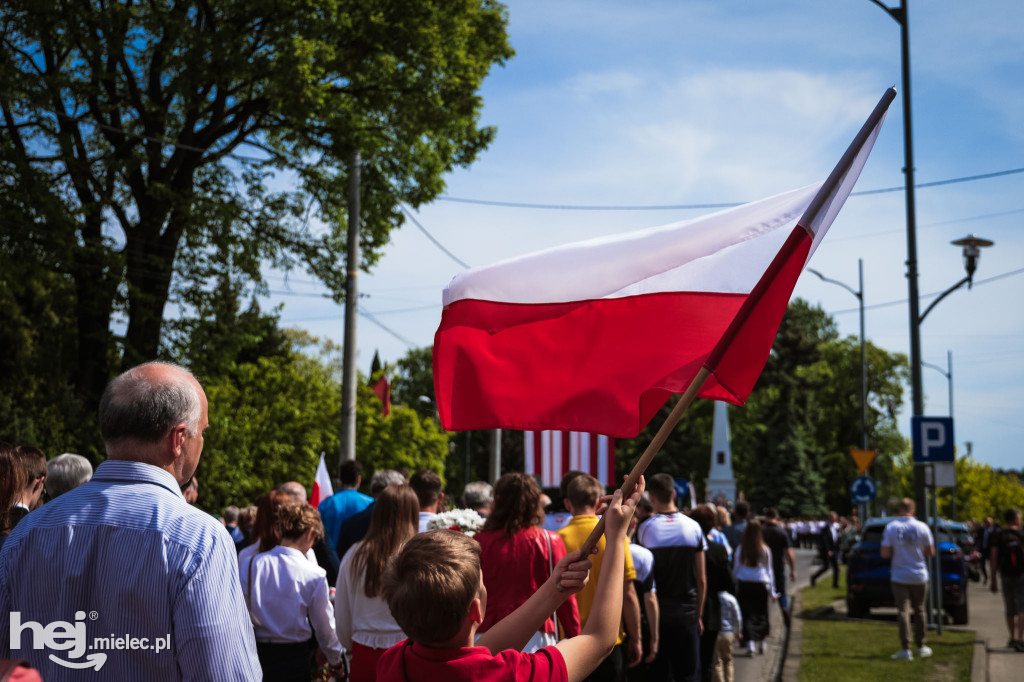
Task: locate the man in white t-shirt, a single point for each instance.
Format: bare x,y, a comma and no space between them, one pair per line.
909,544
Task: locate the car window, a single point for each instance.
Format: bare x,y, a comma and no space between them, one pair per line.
955,535
873,534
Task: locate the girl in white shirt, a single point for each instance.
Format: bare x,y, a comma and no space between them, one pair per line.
364,621
752,568
289,600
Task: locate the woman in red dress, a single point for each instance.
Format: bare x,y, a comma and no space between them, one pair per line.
516,557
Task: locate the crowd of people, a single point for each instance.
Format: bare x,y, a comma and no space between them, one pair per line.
378,586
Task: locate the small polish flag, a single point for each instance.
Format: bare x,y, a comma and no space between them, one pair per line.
322,488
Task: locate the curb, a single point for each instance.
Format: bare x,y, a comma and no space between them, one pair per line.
788,666
979,663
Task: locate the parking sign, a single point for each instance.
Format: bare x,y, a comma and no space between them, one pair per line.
933,439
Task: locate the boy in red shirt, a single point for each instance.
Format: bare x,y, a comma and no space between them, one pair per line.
436,594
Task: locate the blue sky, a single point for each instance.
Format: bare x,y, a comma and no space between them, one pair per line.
678,103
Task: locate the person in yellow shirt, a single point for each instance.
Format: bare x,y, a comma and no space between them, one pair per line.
581,500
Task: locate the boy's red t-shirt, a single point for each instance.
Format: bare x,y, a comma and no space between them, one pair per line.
412,662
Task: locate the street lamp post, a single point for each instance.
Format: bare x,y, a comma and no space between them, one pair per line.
859,293
899,14
971,246
948,373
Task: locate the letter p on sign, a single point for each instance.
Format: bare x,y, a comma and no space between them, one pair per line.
933,439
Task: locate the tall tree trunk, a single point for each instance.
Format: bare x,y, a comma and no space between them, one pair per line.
150,266
96,286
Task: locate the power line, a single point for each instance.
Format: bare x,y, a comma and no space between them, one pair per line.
436,243
730,204
368,315
562,207
901,301
953,221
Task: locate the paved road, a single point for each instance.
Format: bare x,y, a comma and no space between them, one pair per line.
759,667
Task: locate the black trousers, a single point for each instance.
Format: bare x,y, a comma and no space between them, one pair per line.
708,640
291,662
828,562
678,650
753,599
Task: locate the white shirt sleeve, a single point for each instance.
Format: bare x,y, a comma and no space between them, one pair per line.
321,615
343,602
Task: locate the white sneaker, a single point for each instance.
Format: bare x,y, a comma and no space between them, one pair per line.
924,652
905,655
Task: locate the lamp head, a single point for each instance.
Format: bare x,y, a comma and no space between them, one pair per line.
972,247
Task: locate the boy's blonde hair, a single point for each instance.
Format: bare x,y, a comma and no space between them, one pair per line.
583,491
431,583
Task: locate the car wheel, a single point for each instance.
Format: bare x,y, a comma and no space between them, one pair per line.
857,608
959,613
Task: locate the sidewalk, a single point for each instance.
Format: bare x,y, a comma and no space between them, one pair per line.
993,662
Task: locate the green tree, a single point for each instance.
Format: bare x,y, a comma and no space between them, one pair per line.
835,382
981,491
791,441
269,422
401,440
149,147
414,377
271,418
36,405
687,452
220,336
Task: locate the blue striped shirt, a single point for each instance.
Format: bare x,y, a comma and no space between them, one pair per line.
127,565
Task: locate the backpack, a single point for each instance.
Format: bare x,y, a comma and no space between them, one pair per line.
1011,552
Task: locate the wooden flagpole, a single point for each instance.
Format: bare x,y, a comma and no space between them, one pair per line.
656,443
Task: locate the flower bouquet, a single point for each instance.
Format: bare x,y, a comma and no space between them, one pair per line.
463,520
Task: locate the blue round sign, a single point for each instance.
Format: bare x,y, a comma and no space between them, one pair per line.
863,490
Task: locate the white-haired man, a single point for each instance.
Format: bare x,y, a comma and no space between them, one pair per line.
127,570
66,472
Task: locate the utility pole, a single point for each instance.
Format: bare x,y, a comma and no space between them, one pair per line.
348,370
495,468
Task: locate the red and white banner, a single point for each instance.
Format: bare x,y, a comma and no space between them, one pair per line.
322,488
552,454
595,336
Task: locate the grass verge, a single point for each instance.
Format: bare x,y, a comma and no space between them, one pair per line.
859,651
823,593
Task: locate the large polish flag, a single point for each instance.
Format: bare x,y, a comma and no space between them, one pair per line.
595,336
550,455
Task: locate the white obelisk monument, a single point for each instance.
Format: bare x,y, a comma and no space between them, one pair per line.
721,485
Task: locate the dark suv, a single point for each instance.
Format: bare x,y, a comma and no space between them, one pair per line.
867,576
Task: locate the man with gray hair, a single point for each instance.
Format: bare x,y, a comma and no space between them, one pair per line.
66,472
353,529
230,517
122,567
324,552
478,496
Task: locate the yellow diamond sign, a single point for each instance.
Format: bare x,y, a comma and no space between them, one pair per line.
863,459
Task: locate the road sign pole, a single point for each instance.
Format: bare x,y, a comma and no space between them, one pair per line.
937,577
